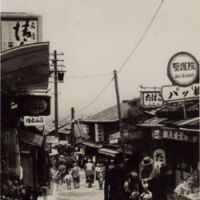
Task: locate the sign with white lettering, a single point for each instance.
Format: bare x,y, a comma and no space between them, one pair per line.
151,99
176,93
183,69
173,134
33,120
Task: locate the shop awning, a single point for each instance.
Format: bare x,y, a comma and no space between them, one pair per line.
92,144
192,122
108,152
31,138
153,122
25,68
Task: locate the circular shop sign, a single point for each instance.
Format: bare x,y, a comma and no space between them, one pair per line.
183,69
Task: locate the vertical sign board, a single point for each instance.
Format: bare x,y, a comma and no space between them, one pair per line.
19,29
99,133
151,99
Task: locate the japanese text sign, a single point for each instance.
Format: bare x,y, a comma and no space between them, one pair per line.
183,69
176,93
151,99
33,120
18,33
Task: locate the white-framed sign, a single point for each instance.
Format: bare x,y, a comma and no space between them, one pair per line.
151,99
33,121
183,69
176,93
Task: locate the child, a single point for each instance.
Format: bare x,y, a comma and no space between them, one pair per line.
68,180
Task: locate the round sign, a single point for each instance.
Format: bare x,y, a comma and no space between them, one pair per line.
183,69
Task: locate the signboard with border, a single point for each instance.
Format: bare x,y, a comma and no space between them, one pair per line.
172,93
20,29
183,69
151,99
33,121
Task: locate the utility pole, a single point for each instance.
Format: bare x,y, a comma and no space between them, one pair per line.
119,113
57,73
72,127
55,91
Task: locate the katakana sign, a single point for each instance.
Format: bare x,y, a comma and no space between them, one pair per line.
176,93
151,99
183,69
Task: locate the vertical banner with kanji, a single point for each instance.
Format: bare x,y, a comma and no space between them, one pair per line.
18,33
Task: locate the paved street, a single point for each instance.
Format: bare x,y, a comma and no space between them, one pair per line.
83,193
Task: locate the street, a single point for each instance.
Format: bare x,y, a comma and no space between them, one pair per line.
60,192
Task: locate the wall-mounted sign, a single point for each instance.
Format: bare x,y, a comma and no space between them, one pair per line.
174,134
19,29
99,133
33,120
183,69
176,93
52,139
33,105
151,99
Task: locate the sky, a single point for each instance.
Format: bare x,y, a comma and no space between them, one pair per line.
97,36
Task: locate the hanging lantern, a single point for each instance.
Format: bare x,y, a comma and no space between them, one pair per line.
61,76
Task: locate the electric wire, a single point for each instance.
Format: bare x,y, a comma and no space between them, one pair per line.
141,38
122,65
88,76
96,98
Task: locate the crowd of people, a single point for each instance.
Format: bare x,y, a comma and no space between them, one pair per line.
147,182
69,172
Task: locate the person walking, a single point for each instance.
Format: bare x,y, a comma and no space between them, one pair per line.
100,174
131,186
146,195
76,175
89,172
68,180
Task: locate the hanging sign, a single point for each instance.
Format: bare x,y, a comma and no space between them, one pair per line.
183,69
34,105
33,121
151,99
159,158
176,93
19,29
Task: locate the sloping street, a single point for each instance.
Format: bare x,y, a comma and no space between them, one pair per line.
83,193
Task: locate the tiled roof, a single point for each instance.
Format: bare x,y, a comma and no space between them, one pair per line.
110,114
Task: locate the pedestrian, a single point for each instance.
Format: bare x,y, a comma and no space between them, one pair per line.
76,175
146,195
115,178
62,172
68,180
89,172
131,186
100,174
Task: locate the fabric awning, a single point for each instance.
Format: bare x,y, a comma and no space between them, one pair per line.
108,152
92,144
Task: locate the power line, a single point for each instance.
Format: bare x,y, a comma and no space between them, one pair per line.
142,37
88,76
96,98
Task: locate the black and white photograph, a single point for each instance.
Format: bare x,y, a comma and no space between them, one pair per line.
100,100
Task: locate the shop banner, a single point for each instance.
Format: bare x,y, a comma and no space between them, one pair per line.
33,121
175,93
151,99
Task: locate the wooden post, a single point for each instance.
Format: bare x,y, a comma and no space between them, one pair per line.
119,113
